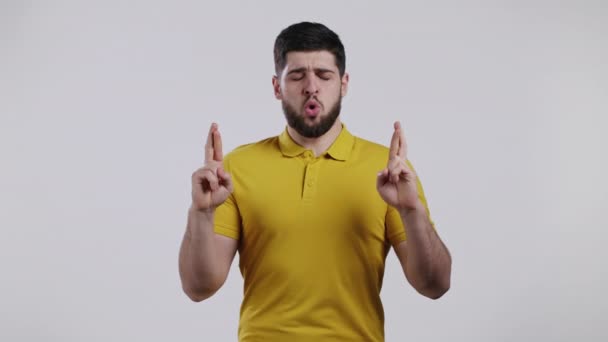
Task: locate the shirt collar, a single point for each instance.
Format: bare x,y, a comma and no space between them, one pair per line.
339,150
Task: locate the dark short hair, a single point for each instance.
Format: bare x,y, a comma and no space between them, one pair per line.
307,36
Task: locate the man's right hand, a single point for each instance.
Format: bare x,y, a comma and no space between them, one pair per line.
211,185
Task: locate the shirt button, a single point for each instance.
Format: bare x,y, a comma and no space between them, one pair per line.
311,182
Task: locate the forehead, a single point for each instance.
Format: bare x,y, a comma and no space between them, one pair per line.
310,59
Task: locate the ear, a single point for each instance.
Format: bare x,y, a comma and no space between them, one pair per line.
276,85
344,85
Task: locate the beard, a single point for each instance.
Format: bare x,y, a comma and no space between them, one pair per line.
298,122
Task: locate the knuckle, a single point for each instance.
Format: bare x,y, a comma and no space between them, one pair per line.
208,169
204,172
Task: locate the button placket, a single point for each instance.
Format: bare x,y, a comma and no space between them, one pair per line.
310,176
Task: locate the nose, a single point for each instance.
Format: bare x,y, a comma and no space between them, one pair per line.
311,87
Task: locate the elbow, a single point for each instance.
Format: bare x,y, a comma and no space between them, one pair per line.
200,290
199,293
439,284
434,288
198,296
437,291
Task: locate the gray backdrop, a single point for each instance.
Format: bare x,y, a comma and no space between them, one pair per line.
105,106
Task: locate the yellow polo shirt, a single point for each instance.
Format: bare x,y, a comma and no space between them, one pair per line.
313,238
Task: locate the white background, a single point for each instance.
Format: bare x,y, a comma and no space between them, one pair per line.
105,106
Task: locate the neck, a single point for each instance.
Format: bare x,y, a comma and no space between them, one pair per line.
317,145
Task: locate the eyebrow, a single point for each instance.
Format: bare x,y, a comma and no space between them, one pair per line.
303,69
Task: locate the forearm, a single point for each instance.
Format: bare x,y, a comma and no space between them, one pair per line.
428,264
197,266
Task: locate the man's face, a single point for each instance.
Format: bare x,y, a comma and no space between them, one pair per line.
310,89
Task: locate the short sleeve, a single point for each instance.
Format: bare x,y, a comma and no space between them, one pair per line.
227,219
394,225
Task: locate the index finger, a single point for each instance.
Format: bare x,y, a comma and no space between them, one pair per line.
402,151
394,147
217,146
209,150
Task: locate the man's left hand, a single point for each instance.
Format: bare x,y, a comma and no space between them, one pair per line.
397,182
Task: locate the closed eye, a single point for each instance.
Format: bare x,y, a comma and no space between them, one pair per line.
296,75
324,75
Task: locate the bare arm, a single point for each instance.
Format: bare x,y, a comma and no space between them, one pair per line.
425,260
205,257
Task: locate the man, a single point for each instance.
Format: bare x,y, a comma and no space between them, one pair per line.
313,212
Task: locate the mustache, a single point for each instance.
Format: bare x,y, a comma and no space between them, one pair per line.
316,99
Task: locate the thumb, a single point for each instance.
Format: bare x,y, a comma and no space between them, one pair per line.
225,178
382,177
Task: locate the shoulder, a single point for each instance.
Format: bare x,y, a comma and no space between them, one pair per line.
369,145
253,151
370,150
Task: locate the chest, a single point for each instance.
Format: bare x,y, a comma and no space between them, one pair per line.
322,202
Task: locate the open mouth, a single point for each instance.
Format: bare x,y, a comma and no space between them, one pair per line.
312,108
